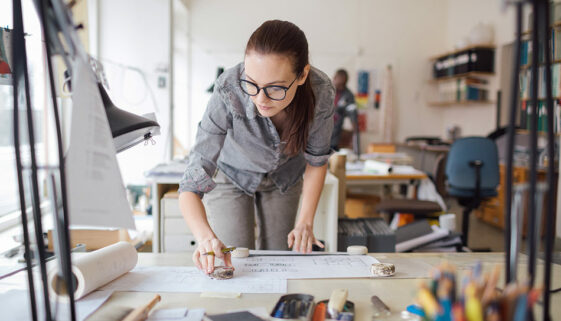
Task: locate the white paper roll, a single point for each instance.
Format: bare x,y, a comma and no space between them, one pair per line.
377,167
357,250
240,252
97,268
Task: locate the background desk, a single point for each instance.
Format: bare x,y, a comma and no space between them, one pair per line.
396,293
359,180
325,222
424,157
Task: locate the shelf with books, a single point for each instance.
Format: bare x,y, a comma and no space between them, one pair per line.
555,25
527,132
525,75
540,98
460,102
451,53
528,66
464,75
526,109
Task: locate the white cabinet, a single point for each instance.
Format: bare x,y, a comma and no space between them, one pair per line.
175,234
171,233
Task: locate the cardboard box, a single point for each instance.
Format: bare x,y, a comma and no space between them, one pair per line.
94,239
361,205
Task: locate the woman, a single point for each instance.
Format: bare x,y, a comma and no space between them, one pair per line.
268,122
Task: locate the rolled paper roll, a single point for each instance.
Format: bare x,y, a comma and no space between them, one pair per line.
377,167
357,250
95,269
382,269
240,252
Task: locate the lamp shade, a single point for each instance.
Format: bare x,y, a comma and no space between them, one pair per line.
127,128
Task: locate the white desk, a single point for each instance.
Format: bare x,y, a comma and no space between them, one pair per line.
358,179
396,293
325,222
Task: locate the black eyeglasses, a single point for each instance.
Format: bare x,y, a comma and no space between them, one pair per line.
274,92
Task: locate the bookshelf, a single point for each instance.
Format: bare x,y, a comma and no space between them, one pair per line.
527,132
525,100
462,77
459,102
455,52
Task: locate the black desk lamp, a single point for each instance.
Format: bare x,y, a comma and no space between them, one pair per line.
127,128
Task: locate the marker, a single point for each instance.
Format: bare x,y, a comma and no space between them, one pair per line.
224,250
319,312
428,302
337,302
279,313
417,310
473,309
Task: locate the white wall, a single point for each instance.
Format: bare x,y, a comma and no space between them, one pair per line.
139,40
180,73
354,34
462,17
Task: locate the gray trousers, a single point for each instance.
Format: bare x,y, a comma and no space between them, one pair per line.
232,214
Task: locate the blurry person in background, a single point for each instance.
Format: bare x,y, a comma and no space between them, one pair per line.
344,107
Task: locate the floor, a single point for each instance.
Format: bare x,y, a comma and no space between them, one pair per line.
485,236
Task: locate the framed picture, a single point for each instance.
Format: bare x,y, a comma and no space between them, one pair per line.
5,52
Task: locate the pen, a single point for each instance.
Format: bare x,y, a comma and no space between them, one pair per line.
304,308
141,313
224,250
319,312
473,308
279,313
380,308
428,302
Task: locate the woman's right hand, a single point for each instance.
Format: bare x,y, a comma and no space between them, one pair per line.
206,262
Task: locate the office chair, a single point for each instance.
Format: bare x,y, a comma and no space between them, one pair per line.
472,173
418,208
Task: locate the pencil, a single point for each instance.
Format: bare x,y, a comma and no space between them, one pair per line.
141,313
224,250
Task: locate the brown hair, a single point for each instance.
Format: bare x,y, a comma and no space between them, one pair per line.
285,38
343,72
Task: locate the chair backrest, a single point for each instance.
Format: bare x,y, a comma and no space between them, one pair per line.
465,150
440,175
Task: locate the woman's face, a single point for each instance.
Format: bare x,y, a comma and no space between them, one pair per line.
272,70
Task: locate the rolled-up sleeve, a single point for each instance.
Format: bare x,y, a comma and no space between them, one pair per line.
318,148
211,134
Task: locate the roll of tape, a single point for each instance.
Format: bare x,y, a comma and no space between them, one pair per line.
240,252
357,250
382,269
222,273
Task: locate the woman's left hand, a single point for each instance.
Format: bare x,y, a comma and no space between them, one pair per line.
301,238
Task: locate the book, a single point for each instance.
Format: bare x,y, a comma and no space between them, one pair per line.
417,234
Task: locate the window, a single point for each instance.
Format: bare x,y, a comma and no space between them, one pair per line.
9,197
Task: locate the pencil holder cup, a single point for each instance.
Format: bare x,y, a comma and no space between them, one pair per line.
293,307
348,313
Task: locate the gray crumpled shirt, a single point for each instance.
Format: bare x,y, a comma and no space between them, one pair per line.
245,146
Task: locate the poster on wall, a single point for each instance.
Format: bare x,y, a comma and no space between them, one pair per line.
5,53
361,96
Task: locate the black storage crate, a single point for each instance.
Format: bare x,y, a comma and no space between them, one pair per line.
374,233
478,59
